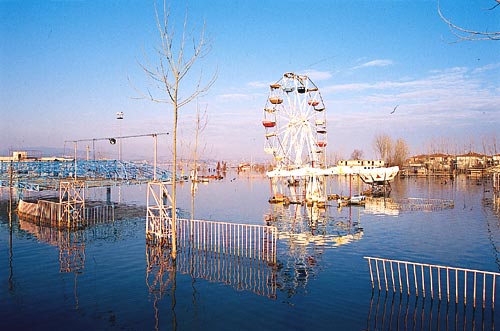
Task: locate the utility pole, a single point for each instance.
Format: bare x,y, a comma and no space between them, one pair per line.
119,117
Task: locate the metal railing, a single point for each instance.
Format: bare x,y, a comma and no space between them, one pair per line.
241,240
412,204
434,280
99,214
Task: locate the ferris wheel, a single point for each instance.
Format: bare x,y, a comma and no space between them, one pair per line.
295,123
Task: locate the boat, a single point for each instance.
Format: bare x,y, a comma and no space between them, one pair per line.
357,200
279,198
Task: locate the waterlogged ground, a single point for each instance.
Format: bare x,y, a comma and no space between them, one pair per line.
106,277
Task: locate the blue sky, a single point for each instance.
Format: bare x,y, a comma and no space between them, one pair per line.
67,67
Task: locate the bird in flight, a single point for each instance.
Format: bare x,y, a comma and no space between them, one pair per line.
392,112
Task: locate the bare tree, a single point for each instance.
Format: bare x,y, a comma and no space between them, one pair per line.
334,157
494,143
383,147
356,154
490,141
467,34
401,152
175,61
201,123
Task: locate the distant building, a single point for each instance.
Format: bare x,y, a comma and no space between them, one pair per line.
17,156
25,156
439,163
495,159
429,163
471,160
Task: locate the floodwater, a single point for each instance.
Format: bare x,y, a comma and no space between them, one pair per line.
104,277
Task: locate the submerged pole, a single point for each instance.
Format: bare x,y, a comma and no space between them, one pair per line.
108,195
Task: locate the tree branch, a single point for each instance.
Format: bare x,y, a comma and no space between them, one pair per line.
466,34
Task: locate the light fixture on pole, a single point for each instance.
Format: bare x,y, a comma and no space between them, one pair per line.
119,116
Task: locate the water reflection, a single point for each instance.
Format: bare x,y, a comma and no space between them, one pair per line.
71,244
301,225
11,269
243,274
305,232
491,207
302,271
395,311
161,278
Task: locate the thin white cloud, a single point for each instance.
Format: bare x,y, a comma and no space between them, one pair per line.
443,100
234,96
375,63
486,68
450,79
316,75
258,84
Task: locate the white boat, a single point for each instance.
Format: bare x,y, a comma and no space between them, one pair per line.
357,200
368,175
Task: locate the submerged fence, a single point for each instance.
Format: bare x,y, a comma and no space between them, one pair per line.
412,204
240,255
52,213
250,241
434,280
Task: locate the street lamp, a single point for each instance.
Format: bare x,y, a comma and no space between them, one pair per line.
119,116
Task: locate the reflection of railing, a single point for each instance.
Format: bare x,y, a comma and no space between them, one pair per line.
71,244
71,251
159,263
400,312
242,273
250,241
434,280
